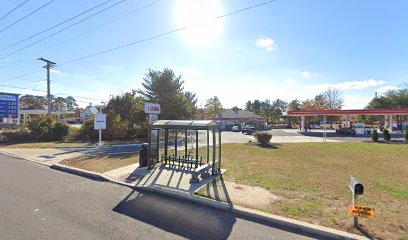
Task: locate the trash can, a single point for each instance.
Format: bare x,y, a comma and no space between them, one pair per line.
143,155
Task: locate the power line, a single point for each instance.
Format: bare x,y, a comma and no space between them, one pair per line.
164,34
86,32
56,25
65,94
26,16
21,76
94,77
150,38
61,30
14,9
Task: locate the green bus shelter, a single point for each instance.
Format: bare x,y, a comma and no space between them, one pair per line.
192,145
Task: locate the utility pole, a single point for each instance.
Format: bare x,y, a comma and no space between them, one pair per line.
48,66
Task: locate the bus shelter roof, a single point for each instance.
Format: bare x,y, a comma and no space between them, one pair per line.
186,124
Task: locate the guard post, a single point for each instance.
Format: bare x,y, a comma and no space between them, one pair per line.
356,189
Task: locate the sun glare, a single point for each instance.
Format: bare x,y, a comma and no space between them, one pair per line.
199,16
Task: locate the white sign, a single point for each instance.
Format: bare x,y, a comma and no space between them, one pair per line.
152,108
152,118
100,121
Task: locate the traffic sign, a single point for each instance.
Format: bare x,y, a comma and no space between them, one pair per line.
152,118
100,121
9,105
152,108
361,211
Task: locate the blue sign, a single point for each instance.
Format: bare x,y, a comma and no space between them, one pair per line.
9,105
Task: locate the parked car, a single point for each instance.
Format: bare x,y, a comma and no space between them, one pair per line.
367,130
346,131
235,129
249,130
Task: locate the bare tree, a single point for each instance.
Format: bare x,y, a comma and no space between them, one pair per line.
333,98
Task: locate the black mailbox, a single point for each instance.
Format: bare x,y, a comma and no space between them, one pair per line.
356,186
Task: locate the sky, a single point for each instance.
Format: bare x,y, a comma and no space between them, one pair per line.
238,50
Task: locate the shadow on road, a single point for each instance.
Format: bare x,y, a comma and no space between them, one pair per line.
184,219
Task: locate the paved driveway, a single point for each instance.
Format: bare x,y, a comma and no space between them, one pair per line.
293,135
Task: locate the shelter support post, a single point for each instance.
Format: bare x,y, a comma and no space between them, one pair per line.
219,151
214,151
166,139
158,146
185,144
175,142
196,155
208,145
302,123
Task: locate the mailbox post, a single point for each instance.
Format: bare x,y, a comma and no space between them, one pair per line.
357,188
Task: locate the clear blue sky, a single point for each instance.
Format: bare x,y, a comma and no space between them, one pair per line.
285,49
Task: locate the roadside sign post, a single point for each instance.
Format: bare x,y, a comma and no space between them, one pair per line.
152,118
153,109
99,124
9,106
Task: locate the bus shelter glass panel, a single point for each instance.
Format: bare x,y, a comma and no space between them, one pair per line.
191,143
210,148
161,143
171,142
218,149
202,145
154,157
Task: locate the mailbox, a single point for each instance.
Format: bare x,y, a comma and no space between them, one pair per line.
356,186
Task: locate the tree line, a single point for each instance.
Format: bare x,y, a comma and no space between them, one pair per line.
126,118
28,102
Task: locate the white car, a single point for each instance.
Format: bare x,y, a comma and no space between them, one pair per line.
367,130
235,129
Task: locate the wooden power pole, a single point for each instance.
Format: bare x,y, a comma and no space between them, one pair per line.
48,66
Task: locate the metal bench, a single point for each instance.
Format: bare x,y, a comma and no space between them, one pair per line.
189,160
204,170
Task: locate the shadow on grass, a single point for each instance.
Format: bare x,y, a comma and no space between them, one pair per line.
218,190
364,232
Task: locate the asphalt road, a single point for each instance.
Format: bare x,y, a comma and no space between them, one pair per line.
37,202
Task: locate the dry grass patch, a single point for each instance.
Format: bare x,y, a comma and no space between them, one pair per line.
311,180
102,164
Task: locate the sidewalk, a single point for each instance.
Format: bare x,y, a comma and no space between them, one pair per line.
46,156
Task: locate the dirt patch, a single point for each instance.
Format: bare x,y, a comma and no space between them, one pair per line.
239,194
102,163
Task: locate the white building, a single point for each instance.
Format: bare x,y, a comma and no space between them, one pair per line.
88,113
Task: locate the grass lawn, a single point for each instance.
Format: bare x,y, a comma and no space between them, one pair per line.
311,180
102,164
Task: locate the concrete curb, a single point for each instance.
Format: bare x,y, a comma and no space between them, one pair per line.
195,199
24,158
294,224
79,172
